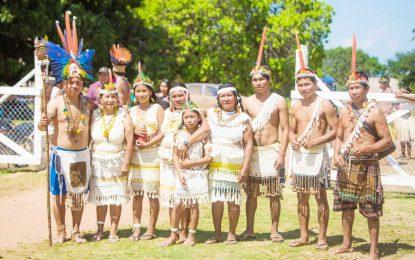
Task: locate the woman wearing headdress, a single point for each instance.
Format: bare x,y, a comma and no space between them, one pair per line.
112,144
144,178
120,58
232,140
179,94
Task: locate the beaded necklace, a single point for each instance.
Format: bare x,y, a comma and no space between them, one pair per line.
107,127
73,129
225,122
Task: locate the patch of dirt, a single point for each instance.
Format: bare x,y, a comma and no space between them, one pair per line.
24,218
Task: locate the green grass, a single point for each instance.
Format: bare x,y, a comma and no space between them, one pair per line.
12,183
397,237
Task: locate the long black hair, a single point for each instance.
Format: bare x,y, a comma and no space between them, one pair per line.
167,84
235,93
153,97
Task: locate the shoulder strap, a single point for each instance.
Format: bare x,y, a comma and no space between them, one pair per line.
368,127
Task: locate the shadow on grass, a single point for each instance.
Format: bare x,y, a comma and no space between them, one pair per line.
338,239
386,249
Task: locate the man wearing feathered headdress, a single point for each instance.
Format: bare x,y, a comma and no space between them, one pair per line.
269,111
362,139
70,115
120,57
313,124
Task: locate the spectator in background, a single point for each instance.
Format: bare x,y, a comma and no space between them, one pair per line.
330,82
384,86
405,130
163,95
94,88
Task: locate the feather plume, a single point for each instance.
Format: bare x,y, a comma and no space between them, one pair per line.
261,47
300,52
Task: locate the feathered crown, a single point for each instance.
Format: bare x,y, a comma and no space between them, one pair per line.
69,61
110,87
189,105
303,72
384,78
120,55
142,79
258,68
356,76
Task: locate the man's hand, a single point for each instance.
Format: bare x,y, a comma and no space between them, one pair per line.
309,143
44,120
362,150
279,162
186,164
141,144
339,161
243,176
294,143
124,169
126,109
182,149
182,180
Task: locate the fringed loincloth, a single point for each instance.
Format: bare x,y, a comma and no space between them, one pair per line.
74,166
264,179
310,170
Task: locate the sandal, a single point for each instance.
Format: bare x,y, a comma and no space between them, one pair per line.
342,250
168,241
77,237
187,242
230,242
322,246
276,238
113,239
212,241
98,236
298,243
246,237
61,234
135,237
148,236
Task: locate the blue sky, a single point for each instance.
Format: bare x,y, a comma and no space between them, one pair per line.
382,27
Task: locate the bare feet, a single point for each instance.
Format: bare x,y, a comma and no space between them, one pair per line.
148,236
344,249
172,239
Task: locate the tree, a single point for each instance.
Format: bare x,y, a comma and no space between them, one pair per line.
337,64
217,41
100,23
403,68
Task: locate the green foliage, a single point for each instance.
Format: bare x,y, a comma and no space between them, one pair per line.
403,68
188,40
100,23
337,64
217,41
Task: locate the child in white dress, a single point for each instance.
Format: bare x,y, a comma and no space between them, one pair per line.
191,184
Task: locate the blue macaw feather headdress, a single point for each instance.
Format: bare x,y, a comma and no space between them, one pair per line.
69,61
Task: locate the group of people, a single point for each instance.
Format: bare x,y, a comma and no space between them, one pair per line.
107,152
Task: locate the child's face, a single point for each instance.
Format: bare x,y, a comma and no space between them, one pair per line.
190,119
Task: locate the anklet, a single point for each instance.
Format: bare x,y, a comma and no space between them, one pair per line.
192,231
136,226
100,222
